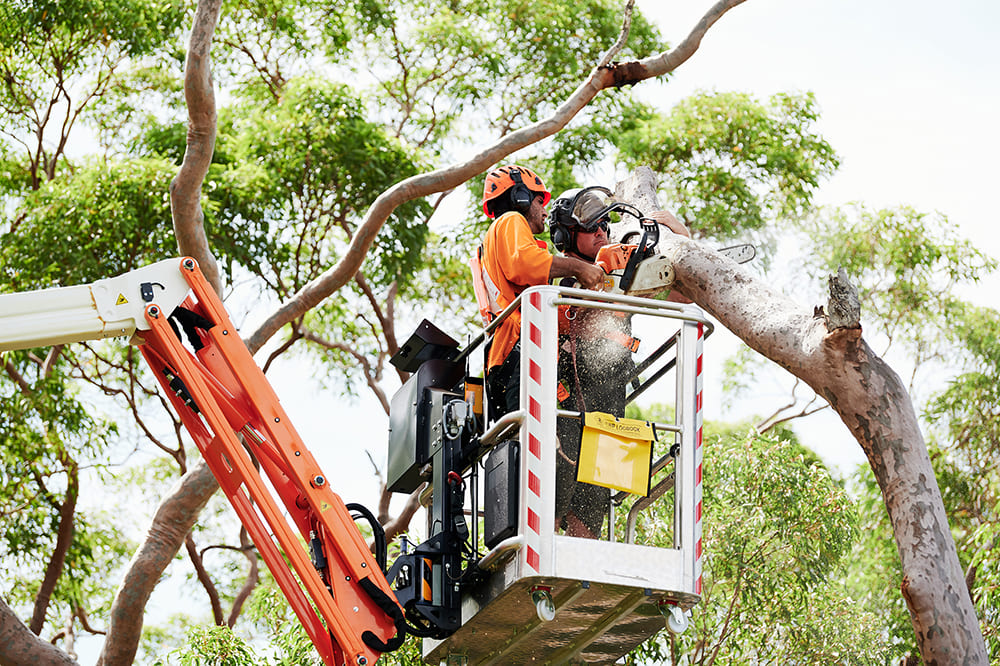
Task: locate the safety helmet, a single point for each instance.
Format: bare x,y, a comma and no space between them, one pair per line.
582,209
524,181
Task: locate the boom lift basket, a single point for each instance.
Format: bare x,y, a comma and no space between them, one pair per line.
608,595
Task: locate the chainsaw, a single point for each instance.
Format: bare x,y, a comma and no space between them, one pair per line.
638,270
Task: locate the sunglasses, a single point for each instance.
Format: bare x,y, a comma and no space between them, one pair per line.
594,226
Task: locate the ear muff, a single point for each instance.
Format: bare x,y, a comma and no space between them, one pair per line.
560,237
520,196
560,220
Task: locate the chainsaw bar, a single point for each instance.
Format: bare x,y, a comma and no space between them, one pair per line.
741,254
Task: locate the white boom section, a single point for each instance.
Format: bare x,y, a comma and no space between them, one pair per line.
106,308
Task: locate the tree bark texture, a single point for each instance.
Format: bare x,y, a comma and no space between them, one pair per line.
173,520
185,190
870,398
20,646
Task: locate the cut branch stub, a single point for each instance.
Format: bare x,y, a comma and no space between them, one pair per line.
843,308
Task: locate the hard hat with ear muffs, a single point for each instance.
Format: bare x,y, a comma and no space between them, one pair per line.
523,184
575,210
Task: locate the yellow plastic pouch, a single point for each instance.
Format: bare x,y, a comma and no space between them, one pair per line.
615,453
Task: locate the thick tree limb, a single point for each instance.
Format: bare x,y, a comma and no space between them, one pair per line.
185,190
19,645
173,520
830,355
614,75
179,511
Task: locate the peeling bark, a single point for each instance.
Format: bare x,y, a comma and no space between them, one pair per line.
831,356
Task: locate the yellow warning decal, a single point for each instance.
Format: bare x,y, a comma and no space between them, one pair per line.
121,300
323,506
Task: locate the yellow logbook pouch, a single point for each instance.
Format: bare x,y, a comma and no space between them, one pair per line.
615,453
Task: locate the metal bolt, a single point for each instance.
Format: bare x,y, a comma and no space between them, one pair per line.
154,311
362,661
277,420
318,480
189,264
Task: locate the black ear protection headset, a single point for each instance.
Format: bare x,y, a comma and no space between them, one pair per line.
520,196
562,219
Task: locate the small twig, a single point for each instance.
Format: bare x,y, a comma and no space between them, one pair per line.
610,54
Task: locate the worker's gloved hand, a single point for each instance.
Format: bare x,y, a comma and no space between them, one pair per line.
591,276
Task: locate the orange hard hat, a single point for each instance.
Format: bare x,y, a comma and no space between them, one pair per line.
524,181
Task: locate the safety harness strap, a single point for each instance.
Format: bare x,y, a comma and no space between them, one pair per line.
485,289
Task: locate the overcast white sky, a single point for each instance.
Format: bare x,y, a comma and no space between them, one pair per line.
909,92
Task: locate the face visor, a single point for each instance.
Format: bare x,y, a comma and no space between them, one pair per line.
595,208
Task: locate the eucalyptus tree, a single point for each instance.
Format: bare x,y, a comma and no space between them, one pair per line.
547,111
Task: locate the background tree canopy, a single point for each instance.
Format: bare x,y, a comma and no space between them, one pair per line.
323,109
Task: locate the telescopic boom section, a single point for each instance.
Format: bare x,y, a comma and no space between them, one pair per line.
340,593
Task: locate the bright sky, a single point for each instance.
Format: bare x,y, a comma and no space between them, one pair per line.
909,92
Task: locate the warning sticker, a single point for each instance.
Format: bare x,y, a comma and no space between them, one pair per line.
121,300
323,506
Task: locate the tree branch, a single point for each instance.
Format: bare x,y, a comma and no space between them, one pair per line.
18,645
253,577
185,189
204,578
872,402
64,538
622,38
450,177
173,520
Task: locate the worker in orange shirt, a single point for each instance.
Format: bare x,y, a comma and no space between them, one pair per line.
511,260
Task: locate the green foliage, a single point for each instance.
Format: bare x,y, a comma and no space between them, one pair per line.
966,421
777,532
215,646
67,28
105,219
46,437
732,163
304,169
457,68
56,57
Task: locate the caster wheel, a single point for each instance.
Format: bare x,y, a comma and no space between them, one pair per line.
677,620
544,606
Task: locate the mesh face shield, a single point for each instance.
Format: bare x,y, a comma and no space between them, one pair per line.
585,209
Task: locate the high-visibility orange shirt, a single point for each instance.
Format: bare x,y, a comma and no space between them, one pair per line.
514,261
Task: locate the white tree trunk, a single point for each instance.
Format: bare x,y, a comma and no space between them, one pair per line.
830,354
